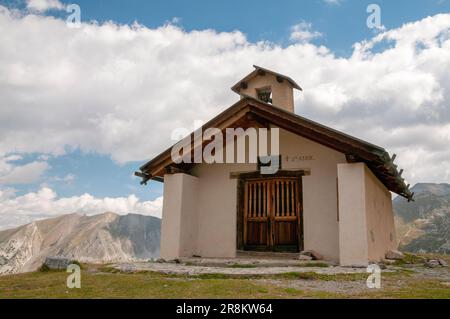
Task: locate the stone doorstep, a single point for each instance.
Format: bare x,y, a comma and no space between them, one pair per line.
247,261
182,269
266,255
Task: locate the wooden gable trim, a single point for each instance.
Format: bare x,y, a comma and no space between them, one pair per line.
304,129
223,120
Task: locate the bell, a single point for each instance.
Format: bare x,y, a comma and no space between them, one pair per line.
265,96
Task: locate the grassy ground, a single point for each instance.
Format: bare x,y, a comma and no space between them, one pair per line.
103,282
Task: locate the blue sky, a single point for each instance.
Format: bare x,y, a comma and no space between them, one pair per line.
341,21
340,24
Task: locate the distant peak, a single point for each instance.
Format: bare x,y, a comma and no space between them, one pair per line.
439,189
110,214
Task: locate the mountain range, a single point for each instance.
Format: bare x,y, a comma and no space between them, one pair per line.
424,224
100,238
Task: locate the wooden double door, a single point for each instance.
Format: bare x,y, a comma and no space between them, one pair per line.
272,214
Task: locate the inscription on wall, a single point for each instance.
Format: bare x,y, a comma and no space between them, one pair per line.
298,158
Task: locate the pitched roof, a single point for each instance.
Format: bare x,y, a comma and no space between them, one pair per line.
237,87
356,150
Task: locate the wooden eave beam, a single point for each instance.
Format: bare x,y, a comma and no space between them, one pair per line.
146,177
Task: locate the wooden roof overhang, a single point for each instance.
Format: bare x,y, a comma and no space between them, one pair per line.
252,112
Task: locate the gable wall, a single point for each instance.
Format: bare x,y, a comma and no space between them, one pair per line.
217,198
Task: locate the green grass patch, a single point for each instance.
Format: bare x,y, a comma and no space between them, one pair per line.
315,264
409,259
242,266
411,289
325,277
107,282
283,276
138,285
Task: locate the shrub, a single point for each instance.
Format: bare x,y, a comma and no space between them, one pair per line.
76,262
44,268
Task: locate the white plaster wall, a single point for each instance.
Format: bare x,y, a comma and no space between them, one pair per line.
189,216
366,227
352,218
217,208
171,219
380,218
179,216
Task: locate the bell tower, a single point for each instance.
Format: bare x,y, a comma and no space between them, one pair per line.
269,87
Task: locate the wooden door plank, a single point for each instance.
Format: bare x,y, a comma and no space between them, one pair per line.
268,211
299,213
254,199
259,199
246,208
277,189
292,194
282,199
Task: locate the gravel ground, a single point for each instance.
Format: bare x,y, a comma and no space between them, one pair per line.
347,287
240,266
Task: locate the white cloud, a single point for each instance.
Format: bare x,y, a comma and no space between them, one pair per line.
67,178
11,173
44,5
121,90
302,32
18,210
50,181
333,2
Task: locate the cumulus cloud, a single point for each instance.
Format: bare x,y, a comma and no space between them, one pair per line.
120,90
44,5
45,203
303,32
11,173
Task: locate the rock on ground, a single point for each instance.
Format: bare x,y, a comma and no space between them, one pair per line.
395,255
312,253
442,262
432,263
58,263
304,257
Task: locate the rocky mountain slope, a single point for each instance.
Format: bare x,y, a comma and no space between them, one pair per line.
94,239
424,225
